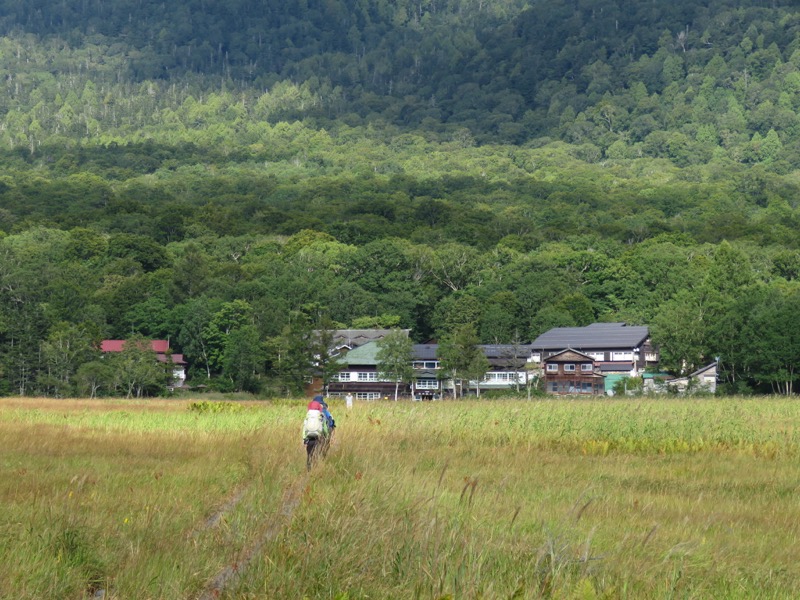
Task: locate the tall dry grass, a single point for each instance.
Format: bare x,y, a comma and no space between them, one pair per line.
544,499
116,498
551,499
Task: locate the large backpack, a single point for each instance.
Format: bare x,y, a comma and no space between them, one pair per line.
314,425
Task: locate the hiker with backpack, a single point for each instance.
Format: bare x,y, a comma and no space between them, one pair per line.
326,413
318,428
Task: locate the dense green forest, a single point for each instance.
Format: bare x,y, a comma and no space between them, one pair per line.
234,175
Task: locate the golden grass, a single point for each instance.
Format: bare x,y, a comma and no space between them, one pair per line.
548,499
116,499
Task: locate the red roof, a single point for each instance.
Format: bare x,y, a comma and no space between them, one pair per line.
159,346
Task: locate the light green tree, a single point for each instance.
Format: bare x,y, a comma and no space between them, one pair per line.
66,348
477,368
679,329
137,371
92,376
394,358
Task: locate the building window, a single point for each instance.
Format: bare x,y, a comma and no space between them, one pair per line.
425,364
597,355
368,376
569,368
554,386
622,356
427,384
552,368
586,387
586,367
504,377
342,376
368,396
536,357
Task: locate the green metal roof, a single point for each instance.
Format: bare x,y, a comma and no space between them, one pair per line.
363,355
612,379
647,375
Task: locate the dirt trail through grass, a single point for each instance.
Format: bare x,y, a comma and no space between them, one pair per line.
228,576
227,506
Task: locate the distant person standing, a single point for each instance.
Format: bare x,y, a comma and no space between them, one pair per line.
348,401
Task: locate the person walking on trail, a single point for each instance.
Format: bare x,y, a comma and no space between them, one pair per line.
317,430
326,413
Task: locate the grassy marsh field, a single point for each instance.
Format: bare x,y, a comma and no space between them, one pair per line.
492,499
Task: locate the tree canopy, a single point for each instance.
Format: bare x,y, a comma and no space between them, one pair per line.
256,172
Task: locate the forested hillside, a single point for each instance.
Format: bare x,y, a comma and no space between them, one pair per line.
231,175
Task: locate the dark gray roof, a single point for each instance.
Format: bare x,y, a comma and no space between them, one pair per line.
506,351
503,352
353,338
594,336
424,351
702,370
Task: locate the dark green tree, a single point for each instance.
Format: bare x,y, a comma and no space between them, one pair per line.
460,357
292,354
244,359
230,317
192,338
326,361
770,336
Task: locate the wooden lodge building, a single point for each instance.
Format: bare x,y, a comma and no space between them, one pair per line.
569,360
360,373
618,349
571,372
360,376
